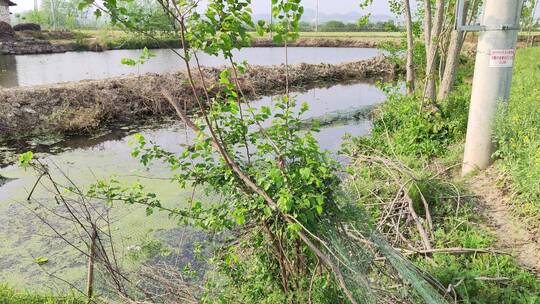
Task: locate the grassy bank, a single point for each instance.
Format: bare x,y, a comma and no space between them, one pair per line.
518,138
414,154
96,40
110,39
9,295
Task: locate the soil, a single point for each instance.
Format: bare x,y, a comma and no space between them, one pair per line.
323,42
511,233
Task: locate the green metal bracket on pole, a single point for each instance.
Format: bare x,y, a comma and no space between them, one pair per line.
462,27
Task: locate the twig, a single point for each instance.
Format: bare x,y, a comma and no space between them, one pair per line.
419,226
454,250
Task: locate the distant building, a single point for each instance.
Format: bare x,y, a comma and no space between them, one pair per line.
4,10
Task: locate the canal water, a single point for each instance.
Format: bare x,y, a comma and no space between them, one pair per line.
342,109
28,70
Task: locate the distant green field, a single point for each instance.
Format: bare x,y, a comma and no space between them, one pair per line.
118,33
352,34
117,39
348,35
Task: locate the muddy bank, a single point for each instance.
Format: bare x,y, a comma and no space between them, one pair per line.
93,45
322,42
29,46
31,42
74,108
22,43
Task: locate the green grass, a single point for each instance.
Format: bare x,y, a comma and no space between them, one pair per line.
420,138
476,278
9,295
518,136
351,34
365,36
115,39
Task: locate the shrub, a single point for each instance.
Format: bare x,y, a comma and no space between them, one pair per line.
404,126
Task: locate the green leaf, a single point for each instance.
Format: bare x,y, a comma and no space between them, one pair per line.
41,260
25,159
128,62
305,173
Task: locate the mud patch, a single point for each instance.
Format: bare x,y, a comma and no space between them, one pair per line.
512,234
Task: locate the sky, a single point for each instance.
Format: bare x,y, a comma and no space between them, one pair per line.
262,6
379,7
330,6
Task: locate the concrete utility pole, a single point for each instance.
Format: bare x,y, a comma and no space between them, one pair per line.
492,77
36,5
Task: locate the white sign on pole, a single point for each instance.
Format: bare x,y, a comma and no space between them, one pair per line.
501,58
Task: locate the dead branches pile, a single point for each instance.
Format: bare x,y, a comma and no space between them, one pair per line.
404,214
82,222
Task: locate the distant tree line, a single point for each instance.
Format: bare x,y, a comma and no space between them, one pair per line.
65,14
59,14
340,26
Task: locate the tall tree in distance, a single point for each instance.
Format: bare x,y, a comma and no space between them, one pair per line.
427,24
529,10
410,47
457,38
431,55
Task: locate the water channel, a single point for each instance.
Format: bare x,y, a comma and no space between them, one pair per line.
342,108
28,70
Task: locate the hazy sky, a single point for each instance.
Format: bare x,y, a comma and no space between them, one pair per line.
262,6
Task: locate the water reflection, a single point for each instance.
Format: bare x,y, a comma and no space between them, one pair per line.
76,66
8,71
109,155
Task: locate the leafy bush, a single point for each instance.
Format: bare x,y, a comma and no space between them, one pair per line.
403,126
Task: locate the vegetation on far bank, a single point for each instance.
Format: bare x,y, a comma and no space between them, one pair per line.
110,39
113,39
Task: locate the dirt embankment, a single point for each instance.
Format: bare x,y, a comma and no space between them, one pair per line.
512,234
94,45
80,107
322,42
